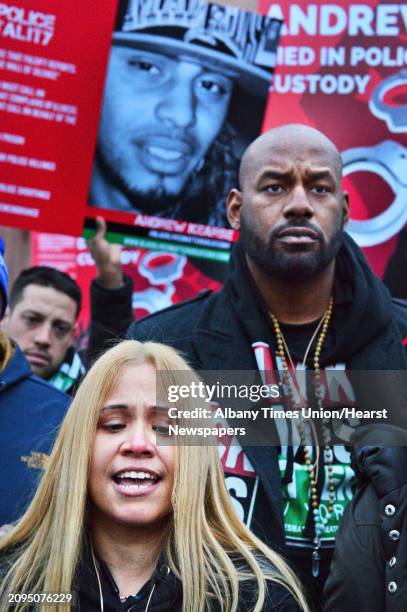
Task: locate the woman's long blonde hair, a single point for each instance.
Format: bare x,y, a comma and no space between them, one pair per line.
208,547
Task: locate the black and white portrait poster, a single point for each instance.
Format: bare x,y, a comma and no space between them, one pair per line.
185,93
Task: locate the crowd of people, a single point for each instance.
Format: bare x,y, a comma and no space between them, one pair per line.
97,501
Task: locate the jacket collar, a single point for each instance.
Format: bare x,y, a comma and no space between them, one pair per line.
367,336
219,340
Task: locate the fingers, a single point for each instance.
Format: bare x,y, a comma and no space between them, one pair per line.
100,228
115,255
98,244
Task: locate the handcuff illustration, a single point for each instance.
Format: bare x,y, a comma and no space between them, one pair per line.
388,159
394,116
158,269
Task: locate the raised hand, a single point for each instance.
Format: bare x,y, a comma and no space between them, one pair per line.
106,256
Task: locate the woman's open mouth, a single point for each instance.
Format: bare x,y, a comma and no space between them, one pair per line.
135,482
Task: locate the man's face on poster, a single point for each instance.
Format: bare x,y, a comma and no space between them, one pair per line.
160,116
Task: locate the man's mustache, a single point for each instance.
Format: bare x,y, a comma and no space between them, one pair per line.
297,223
184,136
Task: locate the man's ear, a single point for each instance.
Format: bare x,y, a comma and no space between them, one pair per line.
345,207
233,208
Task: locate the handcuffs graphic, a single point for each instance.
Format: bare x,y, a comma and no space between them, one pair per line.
394,116
158,273
388,159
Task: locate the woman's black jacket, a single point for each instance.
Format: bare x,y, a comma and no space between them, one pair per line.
162,593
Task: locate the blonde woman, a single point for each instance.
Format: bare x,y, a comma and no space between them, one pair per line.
128,521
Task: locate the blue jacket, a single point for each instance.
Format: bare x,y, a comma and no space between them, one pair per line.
30,414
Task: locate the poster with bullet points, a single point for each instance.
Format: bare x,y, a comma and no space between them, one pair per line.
53,59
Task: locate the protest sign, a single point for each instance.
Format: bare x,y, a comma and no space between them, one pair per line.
185,94
160,279
52,65
341,67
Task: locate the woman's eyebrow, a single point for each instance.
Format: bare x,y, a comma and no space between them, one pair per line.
162,410
152,409
114,407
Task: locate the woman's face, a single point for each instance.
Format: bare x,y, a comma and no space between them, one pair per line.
131,478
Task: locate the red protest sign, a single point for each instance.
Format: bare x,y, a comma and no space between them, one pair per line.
341,68
52,65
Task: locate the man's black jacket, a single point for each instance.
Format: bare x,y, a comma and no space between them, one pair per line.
369,566
211,335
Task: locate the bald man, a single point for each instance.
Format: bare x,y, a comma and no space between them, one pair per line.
300,296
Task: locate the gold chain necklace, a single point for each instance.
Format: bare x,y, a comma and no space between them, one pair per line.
101,600
320,521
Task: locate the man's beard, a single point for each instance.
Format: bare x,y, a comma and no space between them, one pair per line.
157,201
293,264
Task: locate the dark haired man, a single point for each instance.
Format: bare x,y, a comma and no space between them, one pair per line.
300,295
44,305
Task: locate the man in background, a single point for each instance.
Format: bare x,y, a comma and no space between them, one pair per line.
44,306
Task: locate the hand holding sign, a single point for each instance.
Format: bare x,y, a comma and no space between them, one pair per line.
106,256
